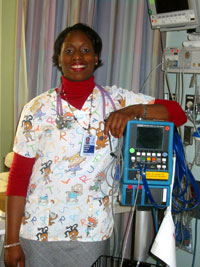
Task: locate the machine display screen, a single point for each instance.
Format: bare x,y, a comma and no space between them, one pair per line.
149,138
164,6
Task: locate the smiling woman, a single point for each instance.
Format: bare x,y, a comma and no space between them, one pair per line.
59,195
93,43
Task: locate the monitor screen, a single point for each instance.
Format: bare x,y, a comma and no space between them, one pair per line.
164,6
149,138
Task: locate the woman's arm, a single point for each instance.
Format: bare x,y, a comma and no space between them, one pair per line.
14,211
116,122
163,110
176,113
18,181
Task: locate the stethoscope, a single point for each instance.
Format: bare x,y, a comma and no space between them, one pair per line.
62,123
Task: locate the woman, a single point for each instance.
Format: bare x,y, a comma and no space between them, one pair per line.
58,186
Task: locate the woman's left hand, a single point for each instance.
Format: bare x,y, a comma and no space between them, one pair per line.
117,120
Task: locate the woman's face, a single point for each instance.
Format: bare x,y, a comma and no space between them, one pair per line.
77,58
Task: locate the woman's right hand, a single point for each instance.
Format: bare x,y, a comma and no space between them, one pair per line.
14,257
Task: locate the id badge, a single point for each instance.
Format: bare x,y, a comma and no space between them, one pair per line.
88,145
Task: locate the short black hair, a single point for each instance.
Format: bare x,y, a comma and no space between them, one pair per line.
91,34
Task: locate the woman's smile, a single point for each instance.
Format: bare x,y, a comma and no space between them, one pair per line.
78,67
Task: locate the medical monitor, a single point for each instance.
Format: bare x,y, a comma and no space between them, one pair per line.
173,15
148,143
148,163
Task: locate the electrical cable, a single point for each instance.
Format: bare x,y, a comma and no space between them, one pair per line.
155,219
182,89
146,187
115,235
195,112
183,174
161,40
168,84
147,190
124,243
156,226
116,169
193,115
176,94
148,76
195,240
154,68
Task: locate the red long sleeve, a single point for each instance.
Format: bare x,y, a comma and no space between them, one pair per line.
19,175
176,113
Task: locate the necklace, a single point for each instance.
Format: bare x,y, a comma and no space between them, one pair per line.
62,122
90,115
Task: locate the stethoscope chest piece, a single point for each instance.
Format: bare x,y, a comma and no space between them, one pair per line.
62,123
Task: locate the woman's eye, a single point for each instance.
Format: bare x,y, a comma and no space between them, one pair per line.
85,50
69,51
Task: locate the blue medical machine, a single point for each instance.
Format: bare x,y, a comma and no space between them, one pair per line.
148,163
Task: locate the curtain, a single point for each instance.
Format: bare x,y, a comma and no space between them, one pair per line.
130,48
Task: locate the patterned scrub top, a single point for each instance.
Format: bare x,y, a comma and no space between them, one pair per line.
69,195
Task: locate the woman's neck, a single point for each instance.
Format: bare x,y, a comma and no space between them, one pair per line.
76,93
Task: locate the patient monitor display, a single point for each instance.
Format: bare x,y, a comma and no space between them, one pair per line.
168,15
149,138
